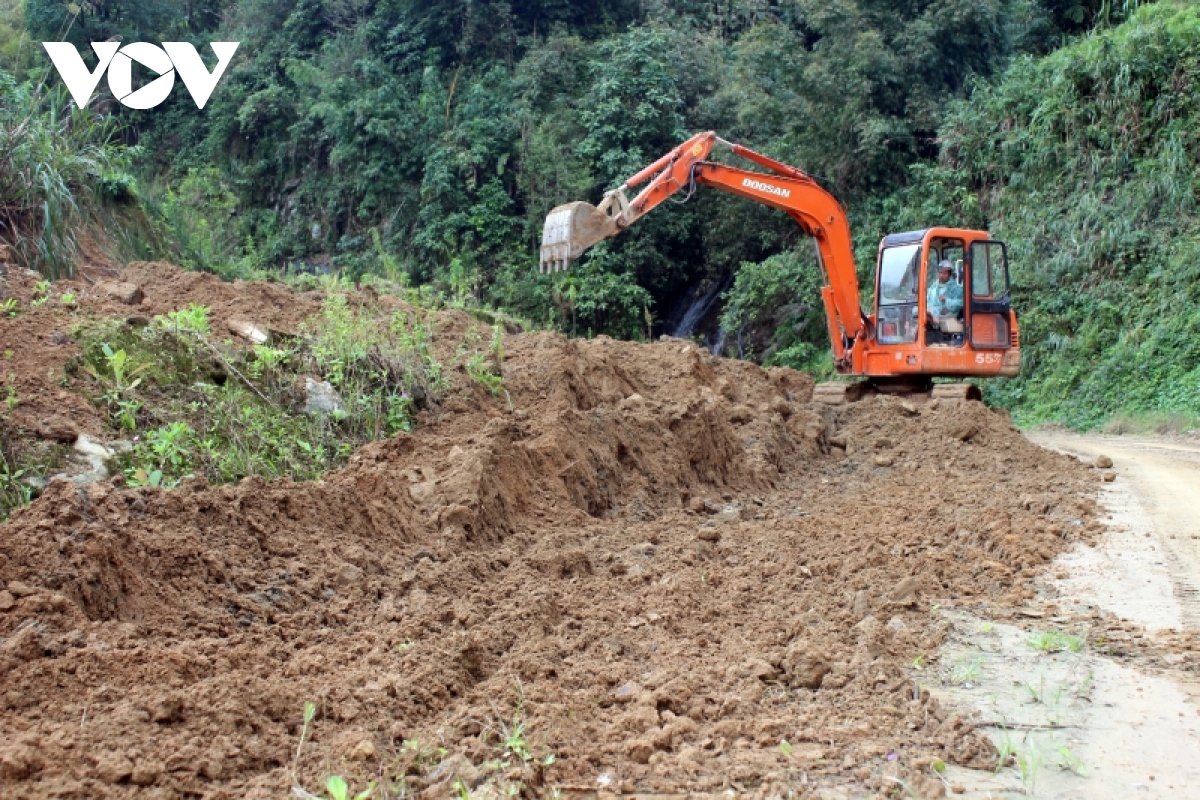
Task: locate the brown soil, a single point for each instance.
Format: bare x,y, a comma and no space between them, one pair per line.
665,563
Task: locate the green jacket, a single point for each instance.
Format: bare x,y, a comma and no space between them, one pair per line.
944,299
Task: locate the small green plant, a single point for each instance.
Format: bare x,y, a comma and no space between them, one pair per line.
1004,752
1085,686
1029,764
67,299
335,785
140,477
484,366
124,408
477,368
1070,762
785,748
170,445
310,711
42,288
339,790
964,672
514,738
14,490
193,319
987,627
11,400
10,307
1054,642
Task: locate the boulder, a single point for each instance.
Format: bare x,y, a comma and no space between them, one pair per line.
321,399
128,293
251,332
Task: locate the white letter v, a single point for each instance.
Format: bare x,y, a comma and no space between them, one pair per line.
196,77
74,72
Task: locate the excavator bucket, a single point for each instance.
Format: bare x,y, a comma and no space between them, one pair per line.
569,230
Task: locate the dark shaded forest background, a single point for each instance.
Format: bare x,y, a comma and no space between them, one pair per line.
425,142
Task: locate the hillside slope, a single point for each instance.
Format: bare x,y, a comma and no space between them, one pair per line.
1088,163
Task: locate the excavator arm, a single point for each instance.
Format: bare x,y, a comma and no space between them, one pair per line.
572,228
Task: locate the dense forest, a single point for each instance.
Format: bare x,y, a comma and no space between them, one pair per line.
425,141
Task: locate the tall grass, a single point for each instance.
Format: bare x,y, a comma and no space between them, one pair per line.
1087,162
58,165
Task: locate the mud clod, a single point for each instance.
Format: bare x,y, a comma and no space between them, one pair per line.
805,666
905,591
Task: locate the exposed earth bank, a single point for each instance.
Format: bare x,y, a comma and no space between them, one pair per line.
639,568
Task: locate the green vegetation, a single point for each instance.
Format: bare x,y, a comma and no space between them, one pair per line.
59,169
1069,762
417,760
965,670
1086,161
24,463
200,407
1029,764
1054,642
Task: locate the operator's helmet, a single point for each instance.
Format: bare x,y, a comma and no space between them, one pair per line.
946,265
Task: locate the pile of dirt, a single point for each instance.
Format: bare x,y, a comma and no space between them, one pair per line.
670,571
37,337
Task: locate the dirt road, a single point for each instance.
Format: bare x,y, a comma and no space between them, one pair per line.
1164,479
1120,718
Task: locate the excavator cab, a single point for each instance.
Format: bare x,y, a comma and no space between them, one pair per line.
963,326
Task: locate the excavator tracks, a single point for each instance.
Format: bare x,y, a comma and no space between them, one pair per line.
956,391
837,393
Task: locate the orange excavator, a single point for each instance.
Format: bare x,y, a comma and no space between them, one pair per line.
942,304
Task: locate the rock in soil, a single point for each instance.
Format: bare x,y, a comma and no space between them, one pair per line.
321,399
128,293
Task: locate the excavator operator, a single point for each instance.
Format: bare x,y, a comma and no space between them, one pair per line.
945,298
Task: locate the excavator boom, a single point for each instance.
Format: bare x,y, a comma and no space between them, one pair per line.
572,228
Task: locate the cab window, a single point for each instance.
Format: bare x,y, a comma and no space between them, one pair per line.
899,273
944,250
989,270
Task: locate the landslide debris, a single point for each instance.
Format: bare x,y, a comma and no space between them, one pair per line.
670,572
